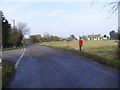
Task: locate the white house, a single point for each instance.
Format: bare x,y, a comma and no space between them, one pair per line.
93,37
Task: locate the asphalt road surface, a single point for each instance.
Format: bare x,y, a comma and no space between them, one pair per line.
43,67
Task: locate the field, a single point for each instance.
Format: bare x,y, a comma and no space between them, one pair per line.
106,48
11,48
7,72
0,77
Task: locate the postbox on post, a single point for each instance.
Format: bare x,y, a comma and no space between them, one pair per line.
80,43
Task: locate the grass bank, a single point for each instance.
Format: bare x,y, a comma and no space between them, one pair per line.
11,48
0,77
7,72
103,52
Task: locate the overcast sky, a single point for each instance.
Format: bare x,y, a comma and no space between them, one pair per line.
61,18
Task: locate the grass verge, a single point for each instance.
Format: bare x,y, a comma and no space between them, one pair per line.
7,72
0,77
5,49
108,62
106,48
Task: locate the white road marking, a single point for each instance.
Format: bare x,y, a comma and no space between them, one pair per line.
17,63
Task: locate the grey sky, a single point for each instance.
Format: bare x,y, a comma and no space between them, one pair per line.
62,18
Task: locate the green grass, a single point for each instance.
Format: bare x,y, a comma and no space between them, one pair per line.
5,49
0,78
104,52
100,48
7,72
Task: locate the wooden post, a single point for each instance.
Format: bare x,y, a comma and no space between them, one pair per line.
79,44
80,47
14,24
67,43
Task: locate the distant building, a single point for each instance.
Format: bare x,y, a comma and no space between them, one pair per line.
119,30
84,37
72,37
93,37
63,39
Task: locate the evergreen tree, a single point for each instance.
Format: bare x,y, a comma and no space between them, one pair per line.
6,28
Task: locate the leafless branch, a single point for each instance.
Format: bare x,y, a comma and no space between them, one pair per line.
23,28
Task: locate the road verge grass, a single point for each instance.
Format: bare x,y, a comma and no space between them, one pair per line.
7,72
0,77
5,49
105,61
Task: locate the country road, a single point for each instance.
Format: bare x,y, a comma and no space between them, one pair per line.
43,67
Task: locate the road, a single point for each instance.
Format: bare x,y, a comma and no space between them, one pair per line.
43,67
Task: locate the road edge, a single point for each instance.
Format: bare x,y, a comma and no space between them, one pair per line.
20,58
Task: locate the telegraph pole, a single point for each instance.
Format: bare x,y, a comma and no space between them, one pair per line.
14,24
67,43
79,42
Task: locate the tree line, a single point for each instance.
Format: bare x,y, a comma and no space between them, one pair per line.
114,6
116,36
113,35
46,38
12,36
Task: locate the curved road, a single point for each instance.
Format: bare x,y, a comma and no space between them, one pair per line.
43,67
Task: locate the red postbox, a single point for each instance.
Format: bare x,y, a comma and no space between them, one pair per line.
80,42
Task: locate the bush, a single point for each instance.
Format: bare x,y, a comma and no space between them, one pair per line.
108,62
7,72
118,46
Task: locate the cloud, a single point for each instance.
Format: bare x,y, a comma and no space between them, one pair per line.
78,25
54,12
45,0
56,0
12,12
40,15
26,13
43,12
59,20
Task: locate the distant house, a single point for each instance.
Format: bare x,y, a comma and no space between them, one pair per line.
84,37
93,37
72,37
63,39
119,30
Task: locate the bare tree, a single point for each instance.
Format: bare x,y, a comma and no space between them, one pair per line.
17,34
23,28
46,34
114,6
15,37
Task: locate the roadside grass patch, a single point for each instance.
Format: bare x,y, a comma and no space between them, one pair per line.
11,48
0,77
108,62
7,72
104,52
107,48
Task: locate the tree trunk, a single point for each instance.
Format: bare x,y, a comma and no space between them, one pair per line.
119,46
119,49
